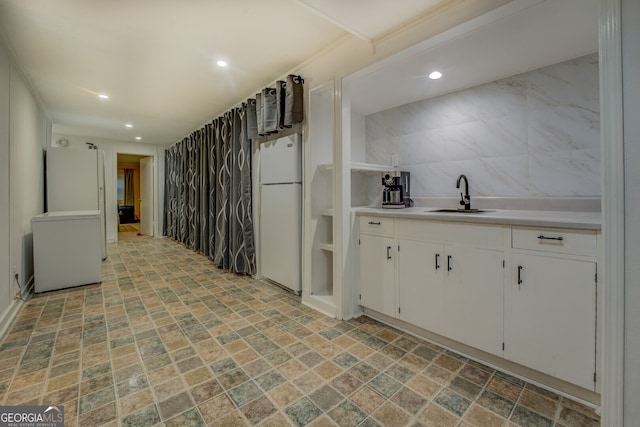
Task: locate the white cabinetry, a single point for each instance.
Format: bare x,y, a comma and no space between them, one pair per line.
523,293
378,265
473,297
451,279
377,272
552,303
445,282
421,290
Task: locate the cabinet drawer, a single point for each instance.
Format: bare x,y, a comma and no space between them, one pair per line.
376,225
484,235
572,242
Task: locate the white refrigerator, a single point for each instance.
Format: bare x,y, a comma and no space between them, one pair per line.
281,211
75,182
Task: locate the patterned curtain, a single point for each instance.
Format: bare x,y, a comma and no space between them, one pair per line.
128,187
208,193
208,177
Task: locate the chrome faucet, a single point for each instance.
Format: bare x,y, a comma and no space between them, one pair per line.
466,199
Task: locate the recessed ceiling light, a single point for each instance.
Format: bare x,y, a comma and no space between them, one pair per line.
138,138
222,64
103,96
435,75
129,125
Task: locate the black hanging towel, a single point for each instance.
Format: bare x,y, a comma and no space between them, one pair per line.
293,112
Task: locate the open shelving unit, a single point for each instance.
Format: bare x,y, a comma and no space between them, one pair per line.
318,287
338,178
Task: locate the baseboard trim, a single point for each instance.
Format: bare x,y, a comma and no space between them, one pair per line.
560,387
28,290
9,316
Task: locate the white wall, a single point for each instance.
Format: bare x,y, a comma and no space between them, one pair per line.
111,149
535,134
6,294
25,130
28,130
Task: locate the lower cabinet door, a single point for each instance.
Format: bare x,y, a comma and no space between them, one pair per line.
551,324
377,273
474,297
420,287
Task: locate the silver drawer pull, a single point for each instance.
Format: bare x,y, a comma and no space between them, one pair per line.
543,237
373,223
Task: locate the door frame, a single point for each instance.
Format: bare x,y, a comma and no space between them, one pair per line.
613,218
151,164
154,158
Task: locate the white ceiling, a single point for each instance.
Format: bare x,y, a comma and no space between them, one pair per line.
156,58
372,19
520,36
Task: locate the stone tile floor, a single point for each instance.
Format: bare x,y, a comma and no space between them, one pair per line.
169,339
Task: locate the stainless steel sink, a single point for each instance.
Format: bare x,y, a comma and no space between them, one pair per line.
464,211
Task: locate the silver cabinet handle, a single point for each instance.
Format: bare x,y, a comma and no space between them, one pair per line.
373,223
388,252
449,268
543,237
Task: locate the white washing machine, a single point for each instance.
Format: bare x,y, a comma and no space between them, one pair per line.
67,249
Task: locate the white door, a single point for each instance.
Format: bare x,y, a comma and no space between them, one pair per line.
280,161
377,274
72,179
473,295
420,284
280,234
146,196
552,317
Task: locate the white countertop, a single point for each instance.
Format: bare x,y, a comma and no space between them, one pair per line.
560,219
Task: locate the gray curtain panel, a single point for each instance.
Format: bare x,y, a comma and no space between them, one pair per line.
243,247
270,112
281,94
208,179
208,192
293,103
251,119
259,114
129,195
276,108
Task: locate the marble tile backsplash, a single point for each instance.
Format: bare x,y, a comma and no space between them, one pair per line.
536,134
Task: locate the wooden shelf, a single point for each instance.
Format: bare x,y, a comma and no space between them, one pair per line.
327,212
325,166
326,247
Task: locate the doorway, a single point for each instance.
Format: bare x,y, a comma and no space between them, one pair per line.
135,196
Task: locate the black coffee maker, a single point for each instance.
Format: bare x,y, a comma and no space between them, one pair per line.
395,190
